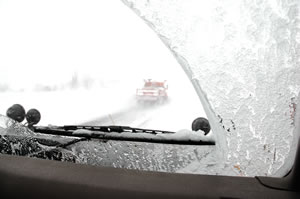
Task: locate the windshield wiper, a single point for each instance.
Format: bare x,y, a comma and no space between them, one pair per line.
120,133
119,129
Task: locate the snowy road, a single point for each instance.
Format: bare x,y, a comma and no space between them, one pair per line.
138,115
172,115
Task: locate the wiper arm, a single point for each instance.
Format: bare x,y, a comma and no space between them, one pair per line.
120,133
69,129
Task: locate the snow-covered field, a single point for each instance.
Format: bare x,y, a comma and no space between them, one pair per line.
65,107
109,106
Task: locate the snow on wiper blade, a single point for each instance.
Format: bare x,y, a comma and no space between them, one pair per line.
124,133
107,129
119,129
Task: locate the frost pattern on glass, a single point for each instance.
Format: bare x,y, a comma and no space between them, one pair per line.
243,59
17,139
139,155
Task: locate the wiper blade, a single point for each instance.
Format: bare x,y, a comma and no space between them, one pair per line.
69,129
119,129
120,133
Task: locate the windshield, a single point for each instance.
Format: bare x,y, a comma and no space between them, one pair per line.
93,63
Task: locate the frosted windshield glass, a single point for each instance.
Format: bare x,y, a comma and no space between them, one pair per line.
243,60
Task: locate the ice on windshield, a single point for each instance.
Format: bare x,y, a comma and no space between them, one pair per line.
243,60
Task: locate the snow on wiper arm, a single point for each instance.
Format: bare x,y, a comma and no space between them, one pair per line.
123,133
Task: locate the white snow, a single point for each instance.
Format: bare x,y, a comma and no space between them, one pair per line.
116,103
186,134
69,107
82,132
3,122
181,135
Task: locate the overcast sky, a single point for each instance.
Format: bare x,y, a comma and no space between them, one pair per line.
47,41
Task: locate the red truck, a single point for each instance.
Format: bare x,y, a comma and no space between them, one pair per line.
153,91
